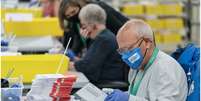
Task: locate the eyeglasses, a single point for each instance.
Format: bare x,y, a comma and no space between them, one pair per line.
125,49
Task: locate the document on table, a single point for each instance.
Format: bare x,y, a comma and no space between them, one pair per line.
90,93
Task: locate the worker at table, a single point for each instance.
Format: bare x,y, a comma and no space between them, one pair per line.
101,61
70,23
154,75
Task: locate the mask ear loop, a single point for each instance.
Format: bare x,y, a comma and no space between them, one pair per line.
145,50
140,43
144,56
145,53
154,39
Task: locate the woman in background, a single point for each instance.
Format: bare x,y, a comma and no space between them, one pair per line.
69,22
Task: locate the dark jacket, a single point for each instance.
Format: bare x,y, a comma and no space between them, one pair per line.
102,62
114,22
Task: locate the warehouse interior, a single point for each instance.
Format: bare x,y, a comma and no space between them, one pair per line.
33,47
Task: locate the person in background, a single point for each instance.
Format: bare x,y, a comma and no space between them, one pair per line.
154,75
101,62
50,7
69,21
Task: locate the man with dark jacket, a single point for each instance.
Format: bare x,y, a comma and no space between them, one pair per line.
69,10
101,62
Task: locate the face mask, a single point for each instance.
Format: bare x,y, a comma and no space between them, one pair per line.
133,58
74,18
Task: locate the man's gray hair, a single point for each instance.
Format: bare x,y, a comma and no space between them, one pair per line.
92,14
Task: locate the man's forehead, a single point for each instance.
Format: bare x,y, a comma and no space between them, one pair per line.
126,37
127,28
126,34
125,40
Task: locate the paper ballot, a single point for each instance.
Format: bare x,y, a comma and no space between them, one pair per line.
91,93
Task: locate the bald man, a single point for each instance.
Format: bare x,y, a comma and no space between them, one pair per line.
154,75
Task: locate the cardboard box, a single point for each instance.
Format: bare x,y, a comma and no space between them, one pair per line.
133,9
37,27
171,38
174,23
153,9
30,65
37,12
172,9
156,24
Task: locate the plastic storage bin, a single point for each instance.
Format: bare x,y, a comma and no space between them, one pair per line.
14,92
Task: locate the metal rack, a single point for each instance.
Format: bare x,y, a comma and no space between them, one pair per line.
192,10
190,18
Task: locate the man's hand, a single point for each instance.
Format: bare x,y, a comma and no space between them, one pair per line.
84,33
71,65
117,95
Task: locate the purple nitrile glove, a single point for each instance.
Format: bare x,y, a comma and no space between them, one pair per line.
117,95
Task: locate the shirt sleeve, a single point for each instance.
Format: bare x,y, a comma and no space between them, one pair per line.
136,98
92,62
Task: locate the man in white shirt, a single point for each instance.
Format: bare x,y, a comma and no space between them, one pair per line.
154,75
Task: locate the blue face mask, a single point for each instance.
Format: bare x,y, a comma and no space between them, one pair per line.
133,58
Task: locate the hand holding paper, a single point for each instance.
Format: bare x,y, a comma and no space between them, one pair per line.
117,95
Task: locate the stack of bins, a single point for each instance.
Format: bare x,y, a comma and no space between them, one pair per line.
62,88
